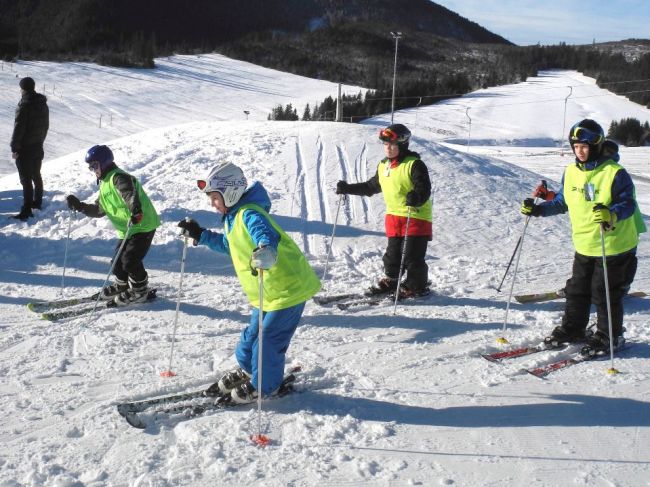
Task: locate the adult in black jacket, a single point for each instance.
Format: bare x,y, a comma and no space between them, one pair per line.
30,129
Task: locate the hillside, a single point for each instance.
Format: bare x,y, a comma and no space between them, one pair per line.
384,399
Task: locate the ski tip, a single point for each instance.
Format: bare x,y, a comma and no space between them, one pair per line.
47,317
133,420
490,358
30,306
539,373
260,440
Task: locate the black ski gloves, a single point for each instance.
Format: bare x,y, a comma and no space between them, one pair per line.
342,187
191,229
529,208
73,203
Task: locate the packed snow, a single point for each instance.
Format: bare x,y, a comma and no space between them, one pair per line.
384,399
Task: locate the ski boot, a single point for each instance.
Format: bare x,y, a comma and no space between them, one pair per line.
244,393
109,292
561,336
599,344
137,292
385,285
406,292
229,381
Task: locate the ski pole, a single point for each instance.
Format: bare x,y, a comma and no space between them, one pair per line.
512,257
168,372
514,278
259,438
401,264
611,370
65,252
329,250
544,185
110,271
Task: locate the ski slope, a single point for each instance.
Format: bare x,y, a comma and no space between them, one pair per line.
385,399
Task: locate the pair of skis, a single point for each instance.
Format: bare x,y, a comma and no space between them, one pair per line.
60,309
544,370
349,300
190,404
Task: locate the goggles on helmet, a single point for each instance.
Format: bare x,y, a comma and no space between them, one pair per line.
392,137
586,136
201,184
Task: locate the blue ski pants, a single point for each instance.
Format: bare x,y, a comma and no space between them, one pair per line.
278,328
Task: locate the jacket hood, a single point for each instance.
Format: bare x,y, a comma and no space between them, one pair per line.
255,194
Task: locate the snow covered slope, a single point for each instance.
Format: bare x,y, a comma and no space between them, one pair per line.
384,399
91,104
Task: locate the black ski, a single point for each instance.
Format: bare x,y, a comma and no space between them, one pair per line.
61,314
42,306
190,404
553,295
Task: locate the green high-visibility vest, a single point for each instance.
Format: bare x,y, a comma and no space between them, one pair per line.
585,233
117,211
289,282
396,184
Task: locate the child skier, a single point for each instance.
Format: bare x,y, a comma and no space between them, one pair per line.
124,202
255,241
596,191
404,181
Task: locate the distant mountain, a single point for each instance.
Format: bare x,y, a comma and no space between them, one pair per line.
38,27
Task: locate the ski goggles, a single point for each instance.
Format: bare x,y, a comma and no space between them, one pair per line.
201,184
586,136
93,165
388,135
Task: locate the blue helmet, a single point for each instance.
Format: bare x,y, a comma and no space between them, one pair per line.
101,154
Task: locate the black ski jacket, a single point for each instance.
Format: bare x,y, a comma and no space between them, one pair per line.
32,122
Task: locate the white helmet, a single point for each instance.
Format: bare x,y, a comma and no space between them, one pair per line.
227,179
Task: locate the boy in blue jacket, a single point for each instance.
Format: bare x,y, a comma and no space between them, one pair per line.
255,242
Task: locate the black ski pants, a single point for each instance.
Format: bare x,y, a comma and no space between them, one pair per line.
587,286
415,266
29,163
129,262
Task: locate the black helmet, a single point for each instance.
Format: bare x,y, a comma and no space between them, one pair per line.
588,132
396,133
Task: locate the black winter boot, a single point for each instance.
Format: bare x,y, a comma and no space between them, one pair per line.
25,213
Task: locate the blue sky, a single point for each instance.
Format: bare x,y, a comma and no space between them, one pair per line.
526,22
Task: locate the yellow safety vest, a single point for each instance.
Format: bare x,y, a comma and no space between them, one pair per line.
585,233
396,184
289,282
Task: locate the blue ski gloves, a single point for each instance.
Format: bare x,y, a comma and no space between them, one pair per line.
190,228
603,216
264,258
529,208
